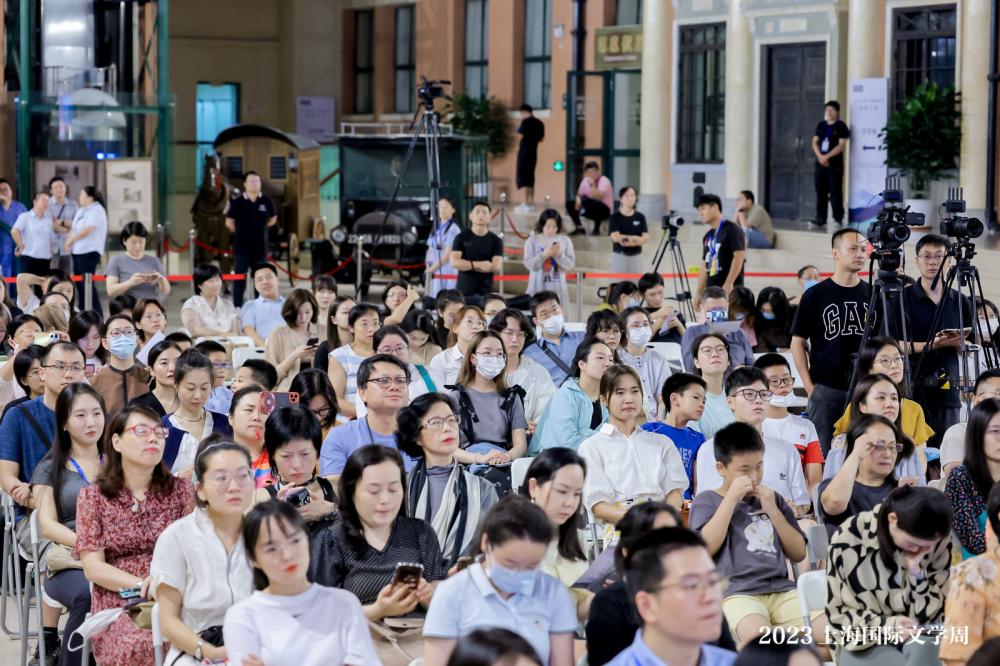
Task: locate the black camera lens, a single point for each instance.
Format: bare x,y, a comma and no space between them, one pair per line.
899,233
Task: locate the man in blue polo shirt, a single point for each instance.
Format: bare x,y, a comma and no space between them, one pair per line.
672,580
383,386
555,347
248,217
28,429
263,314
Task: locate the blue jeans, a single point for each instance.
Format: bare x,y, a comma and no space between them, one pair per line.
8,262
82,264
757,240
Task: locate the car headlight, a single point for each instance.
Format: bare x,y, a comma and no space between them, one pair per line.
339,234
410,236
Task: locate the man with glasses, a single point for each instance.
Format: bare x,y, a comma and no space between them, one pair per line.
394,341
713,307
555,348
122,379
29,429
953,443
383,382
677,591
936,388
748,396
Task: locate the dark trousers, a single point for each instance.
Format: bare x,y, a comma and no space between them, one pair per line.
242,264
829,189
592,209
826,405
40,267
71,589
87,263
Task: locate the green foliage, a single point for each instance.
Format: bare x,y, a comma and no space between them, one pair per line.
482,117
924,137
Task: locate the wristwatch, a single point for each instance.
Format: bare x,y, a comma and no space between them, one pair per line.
197,650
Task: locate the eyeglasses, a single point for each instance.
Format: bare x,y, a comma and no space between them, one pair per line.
127,332
889,361
386,382
751,394
398,350
321,413
489,355
72,368
440,423
720,350
781,381
224,365
223,479
511,333
882,445
275,549
692,586
144,431
932,257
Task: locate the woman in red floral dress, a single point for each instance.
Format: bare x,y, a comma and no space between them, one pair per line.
118,521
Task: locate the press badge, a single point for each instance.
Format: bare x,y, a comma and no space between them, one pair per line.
825,146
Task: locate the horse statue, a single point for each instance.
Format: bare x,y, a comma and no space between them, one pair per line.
208,215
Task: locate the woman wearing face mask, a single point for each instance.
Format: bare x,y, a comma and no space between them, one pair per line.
773,322
248,424
191,422
515,537
575,412
711,361
808,276
888,569
621,296
199,568
289,620
122,379
292,440
492,414
419,328
439,490
85,333
207,313
492,304
439,248
444,367
288,348
162,396
877,394
338,331
874,448
743,309
118,520
650,365
555,483
548,255
344,361
517,333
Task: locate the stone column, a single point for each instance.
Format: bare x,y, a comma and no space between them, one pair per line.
865,35
654,155
975,45
739,99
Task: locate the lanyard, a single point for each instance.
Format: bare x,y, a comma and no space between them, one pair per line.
713,249
79,470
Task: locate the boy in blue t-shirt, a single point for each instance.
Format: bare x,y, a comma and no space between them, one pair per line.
684,400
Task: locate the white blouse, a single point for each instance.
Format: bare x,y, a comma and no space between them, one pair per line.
782,470
444,367
95,216
537,384
189,443
219,318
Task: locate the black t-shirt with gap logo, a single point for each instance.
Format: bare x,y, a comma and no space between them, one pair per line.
476,248
627,225
722,242
832,319
833,135
251,219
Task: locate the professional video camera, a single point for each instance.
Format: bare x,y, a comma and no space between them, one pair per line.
672,220
958,226
430,90
892,227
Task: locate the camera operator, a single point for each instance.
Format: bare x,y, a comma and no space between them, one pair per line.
936,388
831,319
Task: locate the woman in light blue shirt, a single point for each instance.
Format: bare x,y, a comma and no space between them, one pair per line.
439,248
505,588
86,240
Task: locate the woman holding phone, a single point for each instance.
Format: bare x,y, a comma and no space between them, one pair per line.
291,346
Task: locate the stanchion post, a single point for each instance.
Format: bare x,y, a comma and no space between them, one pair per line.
359,242
88,291
503,226
191,249
579,296
159,240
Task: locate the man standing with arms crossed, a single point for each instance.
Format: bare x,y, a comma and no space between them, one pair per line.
831,319
248,216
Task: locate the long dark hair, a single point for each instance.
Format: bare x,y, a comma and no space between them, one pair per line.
870,351
332,334
111,480
408,426
861,390
638,520
975,454
776,298
312,382
365,457
288,521
63,444
79,328
921,512
543,469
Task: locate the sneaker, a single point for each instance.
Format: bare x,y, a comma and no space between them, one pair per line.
52,648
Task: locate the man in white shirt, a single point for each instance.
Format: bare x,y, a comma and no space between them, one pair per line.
263,314
953,443
748,396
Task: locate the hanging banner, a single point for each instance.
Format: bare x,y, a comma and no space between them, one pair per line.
869,113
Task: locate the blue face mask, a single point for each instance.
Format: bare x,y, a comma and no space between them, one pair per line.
770,316
512,581
123,346
809,283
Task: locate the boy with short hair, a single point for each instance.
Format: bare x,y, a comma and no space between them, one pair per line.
786,427
748,396
684,401
752,534
255,372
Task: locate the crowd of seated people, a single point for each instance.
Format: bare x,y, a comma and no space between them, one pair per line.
472,482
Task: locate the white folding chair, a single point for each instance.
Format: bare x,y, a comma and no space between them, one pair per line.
157,635
242,354
33,587
10,576
814,496
672,352
812,595
817,545
518,470
795,371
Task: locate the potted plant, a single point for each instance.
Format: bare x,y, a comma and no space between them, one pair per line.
487,117
923,140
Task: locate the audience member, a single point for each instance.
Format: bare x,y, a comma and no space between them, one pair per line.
548,255
393,340
467,322
651,366
324,290
261,315
555,348
344,361
338,330
191,422
808,276
247,421
27,377
317,395
398,299
447,306
782,425
162,396
150,322
492,647
773,321
606,326
122,379
711,363
419,327
953,444
713,307
621,296
517,333
683,402
207,313
764,651
288,346
969,484
743,309
667,323
85,333
255,371
222,396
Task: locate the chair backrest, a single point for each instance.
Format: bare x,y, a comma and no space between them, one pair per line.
575,326
242,354
157,635
814,496
812,592
519,470
672,352
817,544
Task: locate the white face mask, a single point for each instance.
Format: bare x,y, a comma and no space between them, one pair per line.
489,367
552,325
633,302
640,336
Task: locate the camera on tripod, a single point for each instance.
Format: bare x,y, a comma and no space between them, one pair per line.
959,226
672,220
430,90
892,226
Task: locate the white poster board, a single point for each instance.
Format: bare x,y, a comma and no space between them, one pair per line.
128,192
869,111
314,118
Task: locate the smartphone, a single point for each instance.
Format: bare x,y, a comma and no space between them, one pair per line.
312,342
268,401
298,497
129,592
46,339
715,316
463,562
408,573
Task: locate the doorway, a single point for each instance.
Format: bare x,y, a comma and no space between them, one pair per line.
796,87
216,108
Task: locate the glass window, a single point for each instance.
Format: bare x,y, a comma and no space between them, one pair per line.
702,93
924,50
404,60
629,12
537,52
476,48
363,67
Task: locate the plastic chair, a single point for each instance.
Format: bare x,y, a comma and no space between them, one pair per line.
33,587
814,496
10,576
157,635
812,595
518,470
242,354
817,545
672,352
